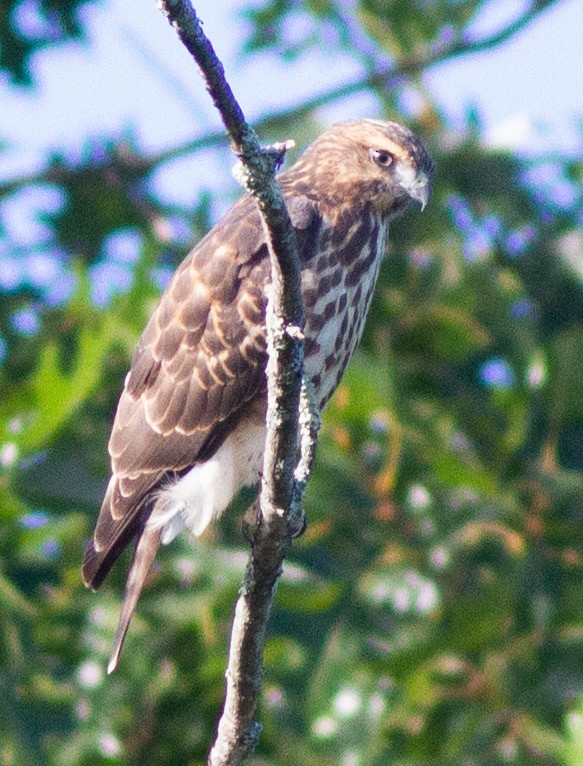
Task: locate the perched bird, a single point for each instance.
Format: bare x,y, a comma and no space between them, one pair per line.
190,425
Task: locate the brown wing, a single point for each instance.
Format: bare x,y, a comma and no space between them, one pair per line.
199,362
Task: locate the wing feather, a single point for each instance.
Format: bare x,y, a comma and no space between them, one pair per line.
200,361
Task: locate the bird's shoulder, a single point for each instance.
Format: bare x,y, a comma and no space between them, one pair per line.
216,299
202,355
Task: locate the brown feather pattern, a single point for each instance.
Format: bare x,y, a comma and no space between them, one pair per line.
200,363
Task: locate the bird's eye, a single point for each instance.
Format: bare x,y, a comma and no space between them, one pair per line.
381,157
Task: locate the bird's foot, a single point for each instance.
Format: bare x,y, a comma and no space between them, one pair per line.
298,523
252,520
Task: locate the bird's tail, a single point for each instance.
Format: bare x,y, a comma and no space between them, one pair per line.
144,555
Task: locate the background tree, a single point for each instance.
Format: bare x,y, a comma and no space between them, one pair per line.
432,613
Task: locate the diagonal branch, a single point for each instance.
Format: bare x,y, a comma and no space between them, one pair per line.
238,731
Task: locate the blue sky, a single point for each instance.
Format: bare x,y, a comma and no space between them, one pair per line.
529,89
136,73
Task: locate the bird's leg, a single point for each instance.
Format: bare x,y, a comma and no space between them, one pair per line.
299,523
252,519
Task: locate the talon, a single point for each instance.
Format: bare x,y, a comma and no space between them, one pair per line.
299,524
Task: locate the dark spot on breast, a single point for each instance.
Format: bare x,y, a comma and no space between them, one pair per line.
330,362
330,281
329,310
315,322
344,325
326,238
336,277
307,240
311,346
361,266
353,247
342,226
310,297
369,293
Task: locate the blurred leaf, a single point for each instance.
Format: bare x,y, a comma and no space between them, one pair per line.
26,29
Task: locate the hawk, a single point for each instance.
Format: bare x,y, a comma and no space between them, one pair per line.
189,430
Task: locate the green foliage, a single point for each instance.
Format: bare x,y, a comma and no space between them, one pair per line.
432,612
26,28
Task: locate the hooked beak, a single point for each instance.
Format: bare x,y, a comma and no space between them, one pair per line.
420,191
415,184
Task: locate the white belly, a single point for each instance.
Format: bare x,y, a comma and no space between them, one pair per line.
201,495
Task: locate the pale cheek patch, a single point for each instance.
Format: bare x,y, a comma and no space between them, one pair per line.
405,175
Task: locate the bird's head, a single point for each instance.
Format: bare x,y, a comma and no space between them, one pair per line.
365,163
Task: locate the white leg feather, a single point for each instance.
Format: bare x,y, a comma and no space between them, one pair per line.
201,495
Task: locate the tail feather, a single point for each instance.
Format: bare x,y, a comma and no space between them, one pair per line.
144,555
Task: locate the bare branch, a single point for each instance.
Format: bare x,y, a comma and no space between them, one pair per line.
238,731
309,423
